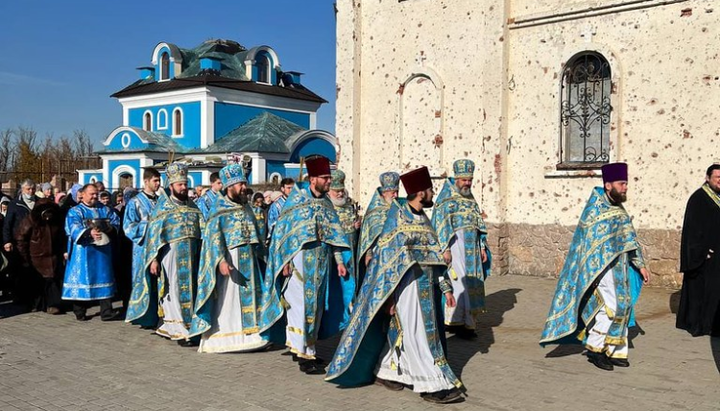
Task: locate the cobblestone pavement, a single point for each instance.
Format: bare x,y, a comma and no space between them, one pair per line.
56,363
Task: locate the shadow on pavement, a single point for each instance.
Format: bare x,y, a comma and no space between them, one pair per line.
674,302
497,304
715,347
9,309
565,350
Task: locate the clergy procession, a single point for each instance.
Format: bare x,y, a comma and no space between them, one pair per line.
227,273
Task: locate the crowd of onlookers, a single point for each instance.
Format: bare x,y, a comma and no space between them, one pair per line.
35,247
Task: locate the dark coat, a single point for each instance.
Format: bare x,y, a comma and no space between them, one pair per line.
699,311
17,211
41,242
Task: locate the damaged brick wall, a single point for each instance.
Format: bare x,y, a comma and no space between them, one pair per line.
498,67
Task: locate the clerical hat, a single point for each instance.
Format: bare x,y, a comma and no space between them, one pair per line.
317,166
614,172
389,181
416,180
338,180
232,174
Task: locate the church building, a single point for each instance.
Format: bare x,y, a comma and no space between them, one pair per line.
539,94
206,105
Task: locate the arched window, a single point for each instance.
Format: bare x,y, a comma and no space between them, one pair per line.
165,66
162,119
585,108
262,62
147,121
177,122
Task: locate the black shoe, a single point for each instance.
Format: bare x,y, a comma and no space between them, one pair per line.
466,334
619,362
188,343
600,360
115,316
311,367
390,385
442,397
148,327
81,317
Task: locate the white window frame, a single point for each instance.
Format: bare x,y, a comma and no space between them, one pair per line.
182,121
160,66
162,125
145,115
265,57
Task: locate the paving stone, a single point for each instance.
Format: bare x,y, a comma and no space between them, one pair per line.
54,362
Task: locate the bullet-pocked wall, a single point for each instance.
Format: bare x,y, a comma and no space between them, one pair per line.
429,82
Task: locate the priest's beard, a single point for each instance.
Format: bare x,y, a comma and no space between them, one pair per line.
239,198
617,197
427,202
466,192
339,202
182,196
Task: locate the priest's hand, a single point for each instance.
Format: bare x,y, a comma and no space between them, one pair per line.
8,247
154,267
225,268
483,254
368,257
645,275
96,234
287,270
390,306
357,224
342,271
450,299
447,257
66,256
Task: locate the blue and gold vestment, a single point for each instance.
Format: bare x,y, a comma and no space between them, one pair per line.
407,245
135,226
454,212
231,226
372,226
178,225
604,242
312,225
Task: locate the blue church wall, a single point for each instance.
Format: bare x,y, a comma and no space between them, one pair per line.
171,68
190,121
117,142
194,179
89,178
134,164
313,145
276,167
231,116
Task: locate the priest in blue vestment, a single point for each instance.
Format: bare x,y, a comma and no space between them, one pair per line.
346,209
393,338
374,220
91,229
309,283
172,252
207,200
230,279
143,305
458,221
601,278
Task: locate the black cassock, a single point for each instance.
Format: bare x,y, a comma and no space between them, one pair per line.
700,296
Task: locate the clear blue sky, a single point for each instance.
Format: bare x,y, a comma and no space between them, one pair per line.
61,60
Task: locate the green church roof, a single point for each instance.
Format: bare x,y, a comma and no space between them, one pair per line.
266,133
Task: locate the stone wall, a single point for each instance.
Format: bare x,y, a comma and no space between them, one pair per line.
433,81
540,250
